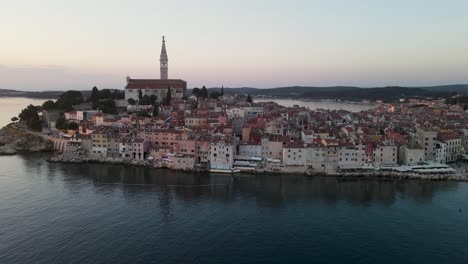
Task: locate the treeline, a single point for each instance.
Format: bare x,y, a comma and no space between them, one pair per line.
99,99
457,100
350,93
204,93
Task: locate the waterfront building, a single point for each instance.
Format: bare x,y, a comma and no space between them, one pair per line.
250,149
427,139
222,152
454,144
330,155
315,156
203,150
411,154
99,141
294,154
385,153
272,146
133,148
347,155
441,152
183,162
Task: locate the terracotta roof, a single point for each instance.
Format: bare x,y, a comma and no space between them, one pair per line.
155,83
448,136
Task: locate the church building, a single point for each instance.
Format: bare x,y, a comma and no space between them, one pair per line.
156,87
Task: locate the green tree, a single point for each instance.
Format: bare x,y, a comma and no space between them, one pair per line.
105,94
215,94
167,100
156,109
14,119
153,99
204,92
73,126
196,92
222,90
131,101
68,99
140,94
249,99
107,106
94,97
30,117
146,100
61,123
143,113
48,105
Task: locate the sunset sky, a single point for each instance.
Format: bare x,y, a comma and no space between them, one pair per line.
49,45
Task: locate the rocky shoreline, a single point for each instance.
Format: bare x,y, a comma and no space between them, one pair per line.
13,140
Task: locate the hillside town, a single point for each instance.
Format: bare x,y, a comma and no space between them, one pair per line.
159,124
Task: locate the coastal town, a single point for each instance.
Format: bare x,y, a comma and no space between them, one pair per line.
159,124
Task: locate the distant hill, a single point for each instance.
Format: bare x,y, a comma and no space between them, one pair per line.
351,93
457,88
41,94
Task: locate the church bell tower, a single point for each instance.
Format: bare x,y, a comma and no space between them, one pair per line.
163,61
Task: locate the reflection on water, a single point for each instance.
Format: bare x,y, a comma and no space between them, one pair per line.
267,190
12,106
94,213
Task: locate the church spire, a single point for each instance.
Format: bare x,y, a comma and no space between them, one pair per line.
163,61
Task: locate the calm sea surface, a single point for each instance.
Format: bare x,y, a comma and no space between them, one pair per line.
93,213
329,105
11,106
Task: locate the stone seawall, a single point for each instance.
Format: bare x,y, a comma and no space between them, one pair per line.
81,158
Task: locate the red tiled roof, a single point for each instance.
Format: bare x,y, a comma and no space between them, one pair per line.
155,84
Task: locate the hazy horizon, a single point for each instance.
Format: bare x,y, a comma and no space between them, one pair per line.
61,45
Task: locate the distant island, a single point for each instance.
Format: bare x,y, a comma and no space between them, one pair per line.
35,94
347,93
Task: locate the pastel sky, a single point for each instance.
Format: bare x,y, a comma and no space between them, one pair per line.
61,44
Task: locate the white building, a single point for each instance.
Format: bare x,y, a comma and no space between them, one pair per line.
294,154
315,157
454,145
307,136
74,116
347,155
385,153
222,152
411,154
441,152
250,149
